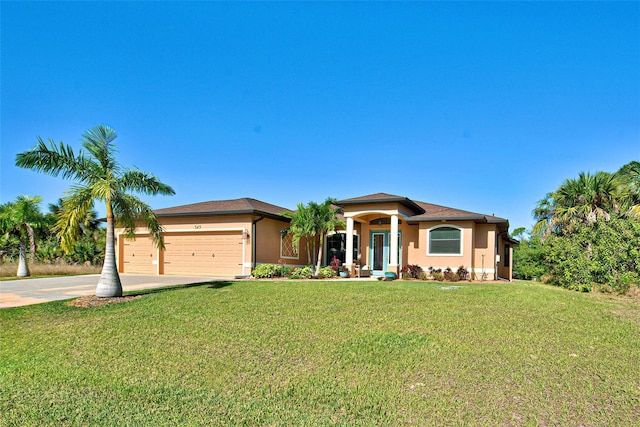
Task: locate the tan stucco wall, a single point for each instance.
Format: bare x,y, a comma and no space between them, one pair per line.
484,242
268,244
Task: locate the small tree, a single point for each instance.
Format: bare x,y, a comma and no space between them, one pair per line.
21,219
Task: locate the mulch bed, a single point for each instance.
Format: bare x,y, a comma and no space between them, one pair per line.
94,301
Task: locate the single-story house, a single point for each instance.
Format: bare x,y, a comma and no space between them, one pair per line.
228,238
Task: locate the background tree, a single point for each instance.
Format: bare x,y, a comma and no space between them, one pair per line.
98,176
21,219
586,200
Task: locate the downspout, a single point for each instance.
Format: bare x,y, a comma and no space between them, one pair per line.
253,241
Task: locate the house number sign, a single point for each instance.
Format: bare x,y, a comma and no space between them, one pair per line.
198,227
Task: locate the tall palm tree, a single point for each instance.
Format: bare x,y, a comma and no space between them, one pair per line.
582,201
20,219
98,176
326,221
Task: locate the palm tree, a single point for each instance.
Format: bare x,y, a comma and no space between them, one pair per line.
100,177
629,176
326,221
314,222
583,201
20,219
302,227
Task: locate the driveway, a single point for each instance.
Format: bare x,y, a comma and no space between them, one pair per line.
14,293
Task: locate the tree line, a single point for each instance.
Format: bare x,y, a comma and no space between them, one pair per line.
587,233
27,233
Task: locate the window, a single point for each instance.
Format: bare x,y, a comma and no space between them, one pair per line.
287,249
337,247
445,241
506,255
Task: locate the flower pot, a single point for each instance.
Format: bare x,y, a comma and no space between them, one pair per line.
344,274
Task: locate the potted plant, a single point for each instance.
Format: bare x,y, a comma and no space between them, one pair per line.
390,275
344,273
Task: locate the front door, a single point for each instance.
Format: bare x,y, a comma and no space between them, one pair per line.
380,254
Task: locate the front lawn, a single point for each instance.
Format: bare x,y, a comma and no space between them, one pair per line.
325,353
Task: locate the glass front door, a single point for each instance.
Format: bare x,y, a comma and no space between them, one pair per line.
378,251
380,254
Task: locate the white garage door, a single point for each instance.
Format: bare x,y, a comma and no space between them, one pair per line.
217,254
139,255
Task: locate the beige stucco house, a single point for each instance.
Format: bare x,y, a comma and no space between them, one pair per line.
228,238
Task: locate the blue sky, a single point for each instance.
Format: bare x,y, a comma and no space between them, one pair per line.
479,106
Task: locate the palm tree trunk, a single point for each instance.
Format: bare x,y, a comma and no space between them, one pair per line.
319,260
23,267
109,284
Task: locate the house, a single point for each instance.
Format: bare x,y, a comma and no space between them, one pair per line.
228,238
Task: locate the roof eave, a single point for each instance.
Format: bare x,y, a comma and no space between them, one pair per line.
220,213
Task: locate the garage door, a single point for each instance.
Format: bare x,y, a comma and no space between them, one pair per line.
139,255
217,254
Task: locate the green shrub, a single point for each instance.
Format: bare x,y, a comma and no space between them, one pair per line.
302,273
265,271
437,276
326,273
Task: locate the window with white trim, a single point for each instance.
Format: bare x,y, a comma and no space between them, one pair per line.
445,240
337,246
288,250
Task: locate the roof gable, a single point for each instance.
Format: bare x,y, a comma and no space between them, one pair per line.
381,198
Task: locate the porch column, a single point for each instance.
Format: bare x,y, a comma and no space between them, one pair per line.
393,245
349,254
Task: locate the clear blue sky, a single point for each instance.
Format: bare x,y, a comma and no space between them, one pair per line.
479,106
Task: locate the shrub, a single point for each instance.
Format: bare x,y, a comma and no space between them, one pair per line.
302,273
450,276
263,271
335,264
463,273
411,271
437,276
326,273
424,276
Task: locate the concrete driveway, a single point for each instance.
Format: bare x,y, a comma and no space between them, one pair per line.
14,293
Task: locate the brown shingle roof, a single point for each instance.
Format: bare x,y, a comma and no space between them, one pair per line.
443,213
424,211
244,205
381,198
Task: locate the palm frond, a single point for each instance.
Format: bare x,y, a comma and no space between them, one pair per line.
55,159
98,141
129,210
74,209
144,182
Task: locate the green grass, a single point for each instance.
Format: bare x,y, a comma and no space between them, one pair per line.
326,353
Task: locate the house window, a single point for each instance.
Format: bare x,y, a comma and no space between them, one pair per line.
337,247
445,241
507,252
287,248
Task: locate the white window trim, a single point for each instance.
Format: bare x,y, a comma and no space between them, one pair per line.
448,226
282,236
